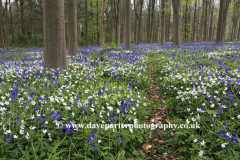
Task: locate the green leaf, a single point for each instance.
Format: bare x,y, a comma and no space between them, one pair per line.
211,111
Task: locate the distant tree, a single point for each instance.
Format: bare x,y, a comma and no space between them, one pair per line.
176,24
128,24
72,27
54,35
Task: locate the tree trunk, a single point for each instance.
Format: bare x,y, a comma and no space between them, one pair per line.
140,21
119,24
6,26
162,42
205,21
152,16
211,21
235,20
86,23
128,24
149,21
72,27
176,28
186,17
202,21
22,22
136,20
101,23
220,21
194,22
225,11
55,55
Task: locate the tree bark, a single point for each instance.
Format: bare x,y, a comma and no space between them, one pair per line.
54,35
205,22
194,22
86,23
72,27
152,16
140,21
211,21
101,23
128,24
149,21
119,24
202,21
186,18
6,26
176,28
225,11
162,42
220,20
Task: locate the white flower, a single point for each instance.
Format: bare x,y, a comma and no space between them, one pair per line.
152,120
200,153
32,127
32,117
224,144
188,109
50,138
203,104
99,141
202,143
15,136
193,119
238,116
195,140
212,105
44,130
33,103
46,122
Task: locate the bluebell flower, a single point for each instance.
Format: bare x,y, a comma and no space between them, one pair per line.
41,118
119,135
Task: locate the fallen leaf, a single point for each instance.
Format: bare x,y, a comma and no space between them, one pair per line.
170,156
147,146
160,141
165,120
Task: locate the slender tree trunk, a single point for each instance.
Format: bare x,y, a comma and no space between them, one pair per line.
211,21
152,16
128,24
101,23
119,24
194,22
55,55
169,21
72,27
205,22
202,21
186,18
160,29
86,23
176,28
22,22
18,23
149,21
2,25
6,26
220,20
140,21
162,23
238,31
